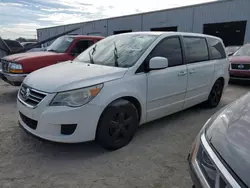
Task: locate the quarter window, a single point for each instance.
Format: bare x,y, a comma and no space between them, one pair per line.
196,49
169,48
217,49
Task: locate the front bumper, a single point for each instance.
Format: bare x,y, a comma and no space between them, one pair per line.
13,79
239,74
51,119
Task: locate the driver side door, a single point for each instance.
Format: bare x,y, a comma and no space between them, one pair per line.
166,88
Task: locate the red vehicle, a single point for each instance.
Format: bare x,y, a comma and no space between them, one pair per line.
16,67
240,64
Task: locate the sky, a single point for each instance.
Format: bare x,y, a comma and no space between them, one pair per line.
21,18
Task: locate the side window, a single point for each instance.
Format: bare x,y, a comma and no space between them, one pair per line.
81,45
196,49
169,48
217,49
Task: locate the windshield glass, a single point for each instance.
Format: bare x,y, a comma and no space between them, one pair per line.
121,50
243,51
60,45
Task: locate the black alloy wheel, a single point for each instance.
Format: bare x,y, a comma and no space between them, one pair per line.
117,125
215,94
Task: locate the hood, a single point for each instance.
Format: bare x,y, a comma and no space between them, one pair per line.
240,59
68,76
230,136
29,55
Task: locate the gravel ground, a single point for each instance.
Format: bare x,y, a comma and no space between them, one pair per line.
155,158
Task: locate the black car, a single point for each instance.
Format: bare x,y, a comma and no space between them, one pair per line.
220,155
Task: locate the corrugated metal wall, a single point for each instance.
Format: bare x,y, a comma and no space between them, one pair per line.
187,19
182,18
124,23
235,10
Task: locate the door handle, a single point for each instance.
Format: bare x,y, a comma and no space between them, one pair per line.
182,73
192,71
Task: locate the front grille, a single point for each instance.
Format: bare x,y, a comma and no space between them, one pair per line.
31,96
29,122
5,65
239,66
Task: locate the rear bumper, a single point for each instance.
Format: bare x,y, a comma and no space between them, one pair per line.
13,79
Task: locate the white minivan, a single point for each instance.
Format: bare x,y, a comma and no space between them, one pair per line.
121,82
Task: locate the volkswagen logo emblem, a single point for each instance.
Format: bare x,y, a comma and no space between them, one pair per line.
241,66
26,94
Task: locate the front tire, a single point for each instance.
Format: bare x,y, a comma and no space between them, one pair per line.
215,95
117,125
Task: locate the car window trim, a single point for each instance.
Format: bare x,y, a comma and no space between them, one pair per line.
208,50
143,64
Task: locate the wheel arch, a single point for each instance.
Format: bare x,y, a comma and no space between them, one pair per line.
117,101
222,80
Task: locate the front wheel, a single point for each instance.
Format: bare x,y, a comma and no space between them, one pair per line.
215,95
117,125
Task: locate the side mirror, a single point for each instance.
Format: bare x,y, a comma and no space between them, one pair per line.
157,63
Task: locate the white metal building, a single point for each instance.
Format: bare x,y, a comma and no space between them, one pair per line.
228,19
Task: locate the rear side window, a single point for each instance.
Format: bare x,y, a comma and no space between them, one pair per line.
217,49
169,48
196,49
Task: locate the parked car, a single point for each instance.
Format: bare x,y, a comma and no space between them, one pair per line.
24,44
230,50
16,67
37,49
120,83
220,154
13,44
240,64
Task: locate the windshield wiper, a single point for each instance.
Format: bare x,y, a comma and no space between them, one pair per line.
91,53
116,55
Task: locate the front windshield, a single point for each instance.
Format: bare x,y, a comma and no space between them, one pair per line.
60,45
118,50
243,51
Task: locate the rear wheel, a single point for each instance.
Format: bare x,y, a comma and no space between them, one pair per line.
117,125
215,95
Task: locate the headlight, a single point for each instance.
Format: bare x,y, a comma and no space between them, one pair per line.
76,98
15,68
203,164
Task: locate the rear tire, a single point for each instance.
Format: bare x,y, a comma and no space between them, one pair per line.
215,95
117,125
